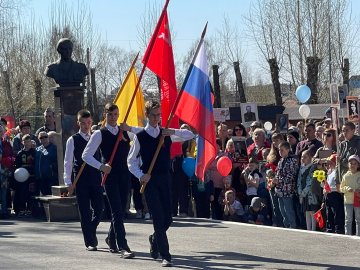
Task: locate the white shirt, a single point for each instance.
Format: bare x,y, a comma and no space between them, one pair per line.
95,141
69,157
181,135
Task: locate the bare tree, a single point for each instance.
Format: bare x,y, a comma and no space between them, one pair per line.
292,31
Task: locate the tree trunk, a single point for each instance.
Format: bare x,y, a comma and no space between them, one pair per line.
89,94
38,100
19,95
312,64
346,71
8,92
217,96
239,83
94,96
274,71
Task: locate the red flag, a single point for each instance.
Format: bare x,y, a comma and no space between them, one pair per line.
319,219
161,62
327,186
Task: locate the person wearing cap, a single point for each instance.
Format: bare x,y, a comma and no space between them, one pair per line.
258,212
49,117
25,128
293,138
350,186
333,199
350,146
46,170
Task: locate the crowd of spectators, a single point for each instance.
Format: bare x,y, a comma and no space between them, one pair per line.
20,148
272,181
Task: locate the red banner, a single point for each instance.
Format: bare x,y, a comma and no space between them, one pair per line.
161,62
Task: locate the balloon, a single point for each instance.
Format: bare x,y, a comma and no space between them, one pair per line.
188,166
304,111
21,175
303,93
224,166
268,126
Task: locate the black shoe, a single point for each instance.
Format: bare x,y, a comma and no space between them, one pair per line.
154,252
112,246
127,253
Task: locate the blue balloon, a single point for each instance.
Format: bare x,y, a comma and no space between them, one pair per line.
303,93
188,166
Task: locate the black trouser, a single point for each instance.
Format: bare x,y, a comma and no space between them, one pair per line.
21,196
117,191
335,215
218,210
137,197
157,193
180,192
91,205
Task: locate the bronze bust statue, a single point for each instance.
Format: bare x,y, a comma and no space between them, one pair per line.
65,71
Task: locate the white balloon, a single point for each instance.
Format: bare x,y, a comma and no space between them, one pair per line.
304,111
268,126
21,175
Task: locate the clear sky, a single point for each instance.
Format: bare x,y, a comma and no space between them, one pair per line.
118,20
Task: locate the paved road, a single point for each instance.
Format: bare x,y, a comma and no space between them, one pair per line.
194,243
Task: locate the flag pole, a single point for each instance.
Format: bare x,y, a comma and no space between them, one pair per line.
146,59
171,115
70,192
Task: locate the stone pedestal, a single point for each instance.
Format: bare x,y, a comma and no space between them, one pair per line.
58,208
68,101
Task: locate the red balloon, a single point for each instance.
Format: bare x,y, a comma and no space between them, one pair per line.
224,166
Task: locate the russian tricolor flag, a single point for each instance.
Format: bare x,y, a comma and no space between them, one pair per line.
195,108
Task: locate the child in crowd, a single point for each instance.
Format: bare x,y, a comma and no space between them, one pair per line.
227,187
350,186
233,210
252,178
334,201
24,190
308,200
258,213
285,180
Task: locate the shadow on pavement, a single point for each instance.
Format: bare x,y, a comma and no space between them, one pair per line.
208,261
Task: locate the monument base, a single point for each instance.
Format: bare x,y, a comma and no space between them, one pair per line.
59,208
